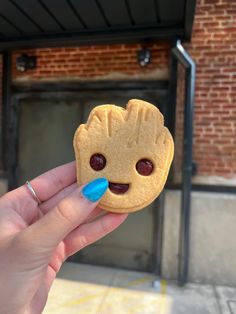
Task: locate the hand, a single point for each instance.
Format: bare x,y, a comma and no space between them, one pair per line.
36,239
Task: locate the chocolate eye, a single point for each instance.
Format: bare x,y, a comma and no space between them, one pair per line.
97,162
144,167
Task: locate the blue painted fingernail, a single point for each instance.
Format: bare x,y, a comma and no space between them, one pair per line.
95,189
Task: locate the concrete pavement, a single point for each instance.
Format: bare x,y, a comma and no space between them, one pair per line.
85,289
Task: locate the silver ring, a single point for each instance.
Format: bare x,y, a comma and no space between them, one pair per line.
32,191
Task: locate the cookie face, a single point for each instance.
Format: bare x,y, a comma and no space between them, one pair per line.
131,148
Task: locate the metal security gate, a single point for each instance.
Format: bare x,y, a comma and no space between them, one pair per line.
28,24
45,122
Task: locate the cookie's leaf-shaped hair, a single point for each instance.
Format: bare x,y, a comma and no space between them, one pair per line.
141,120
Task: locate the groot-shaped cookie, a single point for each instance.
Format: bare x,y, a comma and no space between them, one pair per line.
131,148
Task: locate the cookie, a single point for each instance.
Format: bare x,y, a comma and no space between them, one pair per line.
131,148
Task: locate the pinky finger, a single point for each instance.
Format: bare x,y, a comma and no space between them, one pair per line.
91,232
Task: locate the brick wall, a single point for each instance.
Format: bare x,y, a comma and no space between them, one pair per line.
213,48
95,62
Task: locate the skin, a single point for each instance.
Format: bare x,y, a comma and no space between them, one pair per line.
35,240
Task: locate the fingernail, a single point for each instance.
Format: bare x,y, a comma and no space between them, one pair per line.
95,189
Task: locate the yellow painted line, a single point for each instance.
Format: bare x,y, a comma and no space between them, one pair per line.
139,307
87,298
163,286
163,306
160,302
139,281
81,300
163,301
90,297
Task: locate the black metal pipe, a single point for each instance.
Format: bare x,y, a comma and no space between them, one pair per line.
158,234
172,97
183,57
6,92
172,94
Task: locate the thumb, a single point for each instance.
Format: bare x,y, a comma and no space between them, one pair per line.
51,229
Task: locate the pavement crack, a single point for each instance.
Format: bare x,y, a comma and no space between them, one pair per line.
217,297
101,305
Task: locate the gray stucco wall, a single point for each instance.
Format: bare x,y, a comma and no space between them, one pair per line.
212,257
212,238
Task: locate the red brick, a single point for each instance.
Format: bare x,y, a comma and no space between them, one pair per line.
213,48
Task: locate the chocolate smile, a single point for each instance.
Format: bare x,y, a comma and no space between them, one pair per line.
118,188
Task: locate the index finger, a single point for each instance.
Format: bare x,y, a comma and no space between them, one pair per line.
50,183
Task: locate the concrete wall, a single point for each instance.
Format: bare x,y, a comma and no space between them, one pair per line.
212,238
212,257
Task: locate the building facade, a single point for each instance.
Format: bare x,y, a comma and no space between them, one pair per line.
70,78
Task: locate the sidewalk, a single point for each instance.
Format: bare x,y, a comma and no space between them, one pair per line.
85,289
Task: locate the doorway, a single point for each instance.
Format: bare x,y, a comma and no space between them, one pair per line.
47,122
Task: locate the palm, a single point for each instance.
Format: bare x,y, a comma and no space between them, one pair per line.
19,220
25,234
